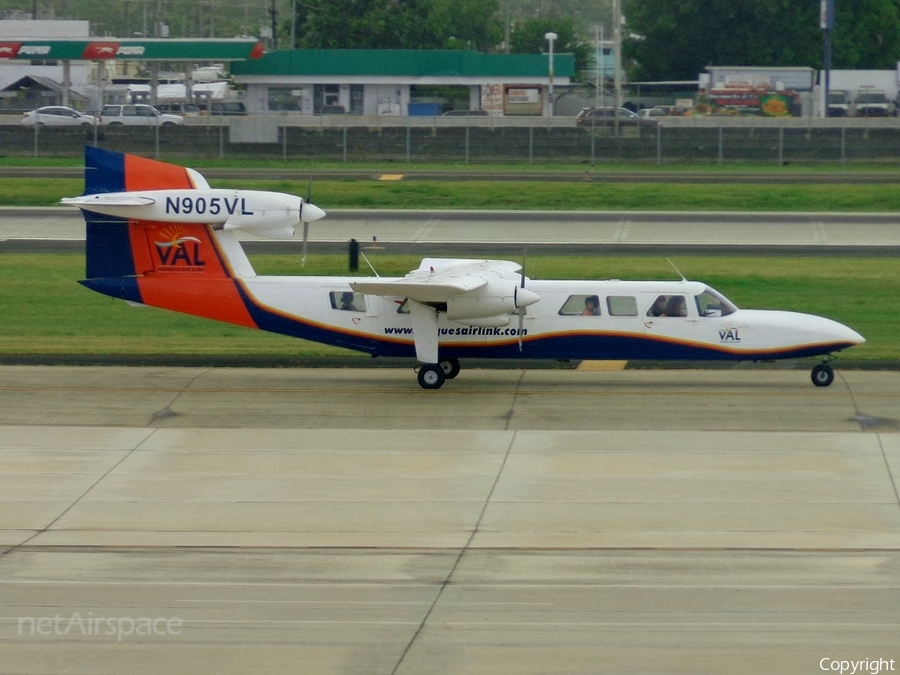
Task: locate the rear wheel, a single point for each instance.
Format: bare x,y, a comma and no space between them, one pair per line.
450,367
431,376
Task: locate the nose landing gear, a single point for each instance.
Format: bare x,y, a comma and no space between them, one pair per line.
822,375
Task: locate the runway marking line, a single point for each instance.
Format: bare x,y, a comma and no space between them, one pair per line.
467,392
602,366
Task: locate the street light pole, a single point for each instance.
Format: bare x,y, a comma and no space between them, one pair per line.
551,37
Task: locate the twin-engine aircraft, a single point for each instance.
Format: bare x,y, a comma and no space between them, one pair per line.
158,235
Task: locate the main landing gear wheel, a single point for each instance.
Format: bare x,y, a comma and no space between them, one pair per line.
450,367
431,376
822,375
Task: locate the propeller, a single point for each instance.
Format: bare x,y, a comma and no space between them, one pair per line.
308,213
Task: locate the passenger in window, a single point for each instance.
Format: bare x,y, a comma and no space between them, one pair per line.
675,306
591,306
659,307
347,302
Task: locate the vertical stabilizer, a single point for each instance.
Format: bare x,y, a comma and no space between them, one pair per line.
185,267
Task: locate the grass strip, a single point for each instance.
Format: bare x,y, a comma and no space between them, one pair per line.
526,195
47,312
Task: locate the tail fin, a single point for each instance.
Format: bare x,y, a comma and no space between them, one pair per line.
108,243
185,267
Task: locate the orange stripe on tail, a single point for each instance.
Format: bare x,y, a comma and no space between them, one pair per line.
148,174
181,269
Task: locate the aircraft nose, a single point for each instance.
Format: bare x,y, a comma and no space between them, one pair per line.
842,333
310,212
524,297
854,337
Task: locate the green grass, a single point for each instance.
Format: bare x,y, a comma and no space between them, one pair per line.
525,195
47,312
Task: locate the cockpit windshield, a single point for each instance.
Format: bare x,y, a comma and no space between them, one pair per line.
712,303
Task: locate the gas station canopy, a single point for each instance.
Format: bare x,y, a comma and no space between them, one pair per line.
236,49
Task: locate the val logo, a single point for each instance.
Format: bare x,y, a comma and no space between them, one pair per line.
729,335
179,250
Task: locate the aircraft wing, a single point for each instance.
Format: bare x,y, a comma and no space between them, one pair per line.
437,280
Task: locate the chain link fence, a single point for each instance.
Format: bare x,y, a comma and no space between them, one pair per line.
477,144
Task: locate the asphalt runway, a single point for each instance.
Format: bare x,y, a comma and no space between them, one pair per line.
186,520
821,233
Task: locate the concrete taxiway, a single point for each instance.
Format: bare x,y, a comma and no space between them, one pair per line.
545,521
819,231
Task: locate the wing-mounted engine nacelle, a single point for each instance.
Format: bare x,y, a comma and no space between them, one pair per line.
270,214
487,322
499,297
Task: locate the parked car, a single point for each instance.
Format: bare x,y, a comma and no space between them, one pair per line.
220,108
465,113
872,103
607,117
58,116
137,115
183,109
838,103
653,112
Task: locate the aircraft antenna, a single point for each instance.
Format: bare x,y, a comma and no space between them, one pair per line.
371,267
677,271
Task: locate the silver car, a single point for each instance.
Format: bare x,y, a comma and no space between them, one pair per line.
57,116
137,114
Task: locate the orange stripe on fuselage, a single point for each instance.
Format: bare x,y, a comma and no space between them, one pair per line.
180,268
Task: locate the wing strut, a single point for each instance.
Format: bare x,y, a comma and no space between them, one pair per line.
425,331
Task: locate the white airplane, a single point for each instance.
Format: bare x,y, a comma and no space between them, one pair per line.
158,235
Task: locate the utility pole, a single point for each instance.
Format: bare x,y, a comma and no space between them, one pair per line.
617,38
551,38
274,13
826,23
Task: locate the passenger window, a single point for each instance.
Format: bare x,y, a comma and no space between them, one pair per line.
621,305
348,301
581,305
668,305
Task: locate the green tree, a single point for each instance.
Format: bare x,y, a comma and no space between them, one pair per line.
467,24
399,24
527,37
867,34
678,40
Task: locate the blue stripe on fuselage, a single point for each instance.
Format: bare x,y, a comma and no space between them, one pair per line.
593,346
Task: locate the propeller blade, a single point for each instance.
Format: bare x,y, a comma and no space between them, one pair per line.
521,326
305,238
